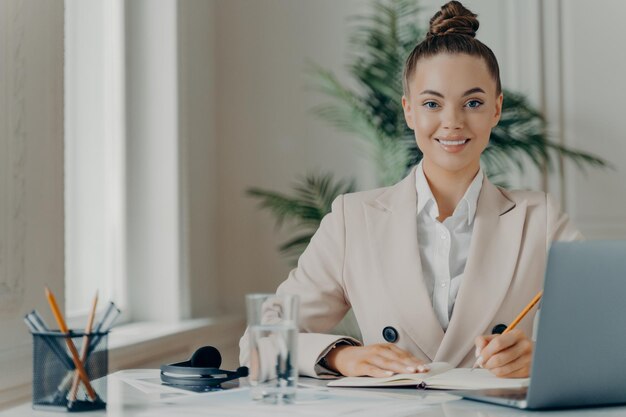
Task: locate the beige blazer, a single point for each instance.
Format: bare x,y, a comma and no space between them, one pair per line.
365,255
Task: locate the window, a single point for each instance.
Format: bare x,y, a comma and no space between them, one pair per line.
125,175
94,154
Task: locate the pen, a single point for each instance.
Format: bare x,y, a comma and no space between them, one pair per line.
70,345
106,322
35,326
43,327
514,323
105,316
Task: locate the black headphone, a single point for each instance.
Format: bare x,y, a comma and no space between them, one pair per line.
201,372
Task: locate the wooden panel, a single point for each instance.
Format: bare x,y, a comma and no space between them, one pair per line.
12,154
31,161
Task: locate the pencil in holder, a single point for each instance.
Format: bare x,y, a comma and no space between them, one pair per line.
54,371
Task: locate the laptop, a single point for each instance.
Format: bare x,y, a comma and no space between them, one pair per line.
580,353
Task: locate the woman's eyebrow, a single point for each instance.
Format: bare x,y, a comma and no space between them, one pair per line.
467,93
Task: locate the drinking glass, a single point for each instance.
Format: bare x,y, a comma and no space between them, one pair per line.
273,335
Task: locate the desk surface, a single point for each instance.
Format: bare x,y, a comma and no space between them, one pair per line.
125,400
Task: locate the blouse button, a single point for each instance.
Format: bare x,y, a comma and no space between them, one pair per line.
390,334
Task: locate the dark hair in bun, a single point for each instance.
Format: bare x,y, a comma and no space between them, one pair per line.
453,18
452,31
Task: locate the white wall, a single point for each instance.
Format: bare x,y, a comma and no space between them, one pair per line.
266,136
31,178
199,158
592,96
266,133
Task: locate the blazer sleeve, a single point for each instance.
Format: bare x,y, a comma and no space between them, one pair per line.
560,227
318,281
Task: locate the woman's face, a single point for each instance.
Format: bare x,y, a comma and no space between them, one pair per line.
452,107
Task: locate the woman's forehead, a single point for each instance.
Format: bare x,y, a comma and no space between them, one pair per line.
453,74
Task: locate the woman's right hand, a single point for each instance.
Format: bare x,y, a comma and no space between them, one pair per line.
379,360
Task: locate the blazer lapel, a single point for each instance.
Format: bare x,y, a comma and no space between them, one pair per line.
392,229
494,249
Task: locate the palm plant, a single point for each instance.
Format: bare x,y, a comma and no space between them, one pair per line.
380,44
313,196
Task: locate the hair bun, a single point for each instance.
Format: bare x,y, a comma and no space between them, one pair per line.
453,18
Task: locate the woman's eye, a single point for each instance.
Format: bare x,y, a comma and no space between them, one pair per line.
431,105
474,104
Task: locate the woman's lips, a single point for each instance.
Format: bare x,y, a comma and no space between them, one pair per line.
453,146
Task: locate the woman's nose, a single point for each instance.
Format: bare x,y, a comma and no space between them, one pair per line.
452,118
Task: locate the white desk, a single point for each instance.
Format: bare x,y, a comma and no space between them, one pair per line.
124,400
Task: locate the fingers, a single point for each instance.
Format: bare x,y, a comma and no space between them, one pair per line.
393,364
367,369
518,368
482,341
508,355
411,363
502,342
380,360
392,358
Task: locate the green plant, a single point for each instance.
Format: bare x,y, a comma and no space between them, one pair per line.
312,198
381,42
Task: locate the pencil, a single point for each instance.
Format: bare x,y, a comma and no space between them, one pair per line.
515,322
85,347
70,345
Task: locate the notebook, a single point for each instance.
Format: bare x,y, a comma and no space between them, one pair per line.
441,376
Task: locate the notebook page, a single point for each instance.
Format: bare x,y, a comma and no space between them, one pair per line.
464,378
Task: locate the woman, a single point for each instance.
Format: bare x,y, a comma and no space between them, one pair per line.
442,257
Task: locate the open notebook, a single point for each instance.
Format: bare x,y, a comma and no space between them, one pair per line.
441,376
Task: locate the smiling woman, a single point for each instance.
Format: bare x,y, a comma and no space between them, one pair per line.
431,264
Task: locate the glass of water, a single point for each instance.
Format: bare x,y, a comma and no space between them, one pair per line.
273,335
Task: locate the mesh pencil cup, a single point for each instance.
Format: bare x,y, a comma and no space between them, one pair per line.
54,371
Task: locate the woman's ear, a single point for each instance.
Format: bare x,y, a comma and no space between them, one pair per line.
408,116
498,113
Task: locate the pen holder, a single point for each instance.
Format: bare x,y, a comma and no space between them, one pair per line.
54,371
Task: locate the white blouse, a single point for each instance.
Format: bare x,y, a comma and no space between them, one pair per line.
444,246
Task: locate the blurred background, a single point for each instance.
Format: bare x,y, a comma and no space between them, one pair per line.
133,132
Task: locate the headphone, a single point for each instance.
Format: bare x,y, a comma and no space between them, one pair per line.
201,371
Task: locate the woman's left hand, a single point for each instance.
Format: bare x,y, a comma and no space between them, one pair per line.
505,355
